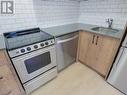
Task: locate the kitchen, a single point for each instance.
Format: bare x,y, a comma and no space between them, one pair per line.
63,47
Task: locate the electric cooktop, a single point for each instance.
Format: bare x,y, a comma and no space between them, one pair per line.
23,38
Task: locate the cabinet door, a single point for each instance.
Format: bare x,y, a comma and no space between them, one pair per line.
8,85
97,51
106,51
86,48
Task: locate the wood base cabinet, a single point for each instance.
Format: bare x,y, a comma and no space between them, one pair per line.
97,51
8,86
8,83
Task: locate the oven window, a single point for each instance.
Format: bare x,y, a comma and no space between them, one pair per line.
37,62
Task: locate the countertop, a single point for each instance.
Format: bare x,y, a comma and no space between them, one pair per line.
65,29
69,28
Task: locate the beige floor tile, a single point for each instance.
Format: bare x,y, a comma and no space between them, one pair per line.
77,79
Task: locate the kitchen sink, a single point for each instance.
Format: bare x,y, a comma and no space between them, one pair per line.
103,29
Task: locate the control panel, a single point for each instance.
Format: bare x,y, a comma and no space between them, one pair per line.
30,48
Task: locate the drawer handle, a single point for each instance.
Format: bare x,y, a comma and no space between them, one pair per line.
93,39
1,77
97,40
66,40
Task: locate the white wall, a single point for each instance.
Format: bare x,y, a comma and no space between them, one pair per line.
97,11
50,13
23,17
39,13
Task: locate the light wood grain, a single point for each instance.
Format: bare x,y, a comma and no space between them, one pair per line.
77,80
8,86
106,50
3,60
85,44
97,53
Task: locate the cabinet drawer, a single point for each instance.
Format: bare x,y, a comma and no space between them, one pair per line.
8,84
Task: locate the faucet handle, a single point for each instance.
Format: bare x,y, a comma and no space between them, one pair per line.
109,20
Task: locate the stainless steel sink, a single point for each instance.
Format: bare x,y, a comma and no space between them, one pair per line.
103,29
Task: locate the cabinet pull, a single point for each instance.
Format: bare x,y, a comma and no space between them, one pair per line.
1,77
93,39
97,40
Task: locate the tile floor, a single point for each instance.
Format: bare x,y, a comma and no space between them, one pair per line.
77,79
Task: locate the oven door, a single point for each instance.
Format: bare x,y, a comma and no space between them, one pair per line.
31,65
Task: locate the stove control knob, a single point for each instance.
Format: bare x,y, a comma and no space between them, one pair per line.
22,50
46,43
28,48
35,46
42,44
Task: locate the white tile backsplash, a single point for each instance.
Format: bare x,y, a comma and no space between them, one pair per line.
46,13
39,13
23,17
56,13
97,11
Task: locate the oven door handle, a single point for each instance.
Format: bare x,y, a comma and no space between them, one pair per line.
66,40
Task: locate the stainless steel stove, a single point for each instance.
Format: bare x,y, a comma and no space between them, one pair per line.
33,56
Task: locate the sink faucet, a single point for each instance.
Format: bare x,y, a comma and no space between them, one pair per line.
110,22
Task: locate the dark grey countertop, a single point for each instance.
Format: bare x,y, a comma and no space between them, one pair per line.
68,28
